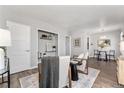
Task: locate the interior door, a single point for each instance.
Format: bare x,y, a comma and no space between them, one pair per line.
19,52
68,46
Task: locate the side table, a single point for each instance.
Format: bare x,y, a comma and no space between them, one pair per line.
74,72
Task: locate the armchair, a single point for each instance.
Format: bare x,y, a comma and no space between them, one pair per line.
82,63
83,68
78,59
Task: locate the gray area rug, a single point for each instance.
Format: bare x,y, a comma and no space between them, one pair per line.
85,81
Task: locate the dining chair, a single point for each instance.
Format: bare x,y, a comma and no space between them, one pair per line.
111,54
96,53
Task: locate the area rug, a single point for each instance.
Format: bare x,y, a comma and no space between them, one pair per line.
30,81
106,83
85,81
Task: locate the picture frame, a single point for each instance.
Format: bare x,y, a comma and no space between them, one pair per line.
77,42
104,43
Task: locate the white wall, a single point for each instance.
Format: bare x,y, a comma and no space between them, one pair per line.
83,47
2,18
77,50
35,25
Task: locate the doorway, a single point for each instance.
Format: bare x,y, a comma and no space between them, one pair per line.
47,43
68,46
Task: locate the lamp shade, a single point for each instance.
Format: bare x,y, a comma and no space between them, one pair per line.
5,38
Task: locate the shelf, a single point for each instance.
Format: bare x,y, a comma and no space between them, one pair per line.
45,38
50,51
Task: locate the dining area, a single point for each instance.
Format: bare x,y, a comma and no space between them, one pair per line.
104,55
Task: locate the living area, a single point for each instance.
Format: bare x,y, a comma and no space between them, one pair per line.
70,47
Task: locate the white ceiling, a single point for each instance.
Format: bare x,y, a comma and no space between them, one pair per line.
72,17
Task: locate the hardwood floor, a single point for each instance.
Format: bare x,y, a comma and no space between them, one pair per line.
14,78
106,78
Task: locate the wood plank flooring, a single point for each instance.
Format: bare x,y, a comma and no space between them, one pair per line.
14,78
106,78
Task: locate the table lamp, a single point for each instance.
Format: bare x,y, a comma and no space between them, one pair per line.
5,40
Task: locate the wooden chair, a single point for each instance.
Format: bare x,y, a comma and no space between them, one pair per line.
83,68
82,63
78,59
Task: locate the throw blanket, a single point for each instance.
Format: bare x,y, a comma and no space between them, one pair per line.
50,72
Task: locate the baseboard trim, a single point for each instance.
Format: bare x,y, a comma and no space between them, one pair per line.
33,67
21,71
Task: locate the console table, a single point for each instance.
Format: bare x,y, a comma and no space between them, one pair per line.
74,71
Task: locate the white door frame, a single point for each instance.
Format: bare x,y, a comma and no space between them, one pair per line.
69,45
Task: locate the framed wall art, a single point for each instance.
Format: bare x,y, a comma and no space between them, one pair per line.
77,42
